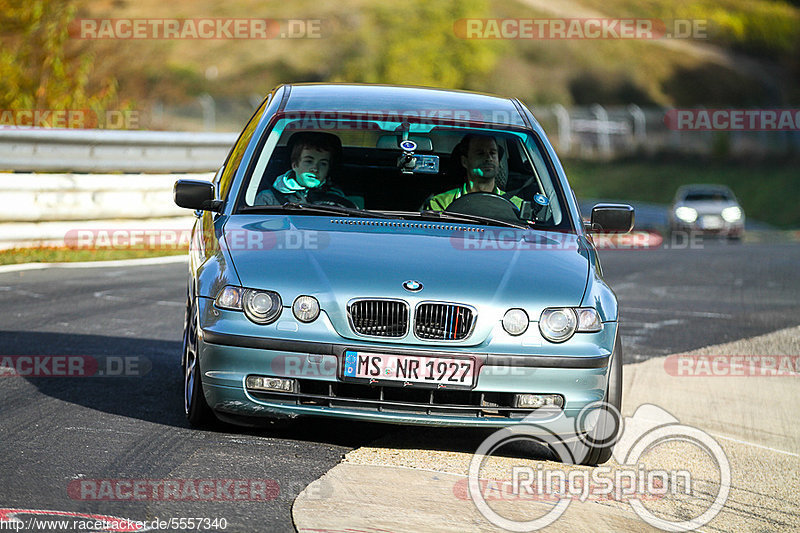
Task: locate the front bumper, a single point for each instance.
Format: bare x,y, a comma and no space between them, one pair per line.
721,228
226,360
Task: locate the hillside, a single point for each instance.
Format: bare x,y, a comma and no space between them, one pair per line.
748,58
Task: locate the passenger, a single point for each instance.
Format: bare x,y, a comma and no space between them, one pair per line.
312,155
480,157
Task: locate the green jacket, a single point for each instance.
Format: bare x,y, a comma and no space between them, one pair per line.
440,201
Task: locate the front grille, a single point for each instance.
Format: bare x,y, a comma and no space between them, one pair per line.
379,318
440,321
387,399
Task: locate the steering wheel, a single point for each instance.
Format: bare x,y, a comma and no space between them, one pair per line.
485,204
329,198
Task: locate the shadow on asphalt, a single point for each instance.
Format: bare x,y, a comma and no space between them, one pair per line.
157,395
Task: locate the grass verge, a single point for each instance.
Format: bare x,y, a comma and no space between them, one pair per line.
63,255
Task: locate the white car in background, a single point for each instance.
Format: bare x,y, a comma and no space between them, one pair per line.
707,209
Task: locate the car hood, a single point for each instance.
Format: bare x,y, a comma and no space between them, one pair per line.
338,259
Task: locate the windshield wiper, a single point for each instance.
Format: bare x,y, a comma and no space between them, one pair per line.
313,208
347,211
462,217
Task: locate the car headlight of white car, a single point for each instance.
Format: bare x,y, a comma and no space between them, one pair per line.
732,214
686,214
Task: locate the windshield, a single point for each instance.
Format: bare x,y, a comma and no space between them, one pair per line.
707,196
404,170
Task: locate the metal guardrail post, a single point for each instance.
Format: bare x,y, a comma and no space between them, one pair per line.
564,128
639,124
603,138
209,111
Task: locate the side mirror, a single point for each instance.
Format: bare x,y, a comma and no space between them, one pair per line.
196,194
611,218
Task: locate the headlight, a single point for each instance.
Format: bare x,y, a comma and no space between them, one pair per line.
687,214
262,307
305,308
731,214
588,320
515,321
558,325
230,298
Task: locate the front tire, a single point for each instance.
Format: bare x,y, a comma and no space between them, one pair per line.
195,406
597,446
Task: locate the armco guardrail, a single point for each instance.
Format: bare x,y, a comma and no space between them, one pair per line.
42,209
62,197
54,150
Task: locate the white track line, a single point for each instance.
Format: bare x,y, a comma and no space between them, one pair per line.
753,444
168,259
643,310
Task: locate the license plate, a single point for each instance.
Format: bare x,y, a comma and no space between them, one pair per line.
441,372
711,222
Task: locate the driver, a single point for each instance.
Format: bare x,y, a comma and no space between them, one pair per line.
312,156
480,157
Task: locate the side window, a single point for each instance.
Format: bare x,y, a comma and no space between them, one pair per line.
236,154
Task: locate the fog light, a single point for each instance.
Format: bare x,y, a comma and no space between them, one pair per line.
264,383
537,401
515,321
305,308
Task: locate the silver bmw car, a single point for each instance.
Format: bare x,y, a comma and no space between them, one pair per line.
401,255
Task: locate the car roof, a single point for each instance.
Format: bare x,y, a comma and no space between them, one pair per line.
403,101
703,187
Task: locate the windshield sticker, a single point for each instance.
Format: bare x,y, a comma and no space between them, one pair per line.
541,199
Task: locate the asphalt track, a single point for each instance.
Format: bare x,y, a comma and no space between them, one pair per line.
56,431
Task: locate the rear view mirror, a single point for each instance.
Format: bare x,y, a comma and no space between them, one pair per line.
195,194
611,218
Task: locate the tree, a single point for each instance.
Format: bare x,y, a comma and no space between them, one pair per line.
417,45
40,67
